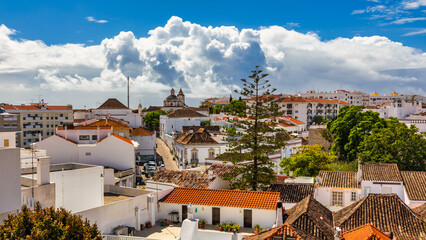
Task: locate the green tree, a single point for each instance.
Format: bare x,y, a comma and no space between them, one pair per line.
236,108
259,138
319,119
308,161
395,143
349,129
205,123
217,109
152,119
47,223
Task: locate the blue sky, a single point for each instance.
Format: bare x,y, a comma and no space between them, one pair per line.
60,49
59,22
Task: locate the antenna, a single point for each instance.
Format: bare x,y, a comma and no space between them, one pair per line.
128,83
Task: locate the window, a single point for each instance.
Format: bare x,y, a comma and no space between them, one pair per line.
353,196
194,155
88,154
94,137
337,198
84,137
6,143
211,154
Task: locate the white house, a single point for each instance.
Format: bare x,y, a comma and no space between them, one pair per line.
193,149
355,97
337,189
380,178
111,107
174,121
10,175
146,140
114,151
246,208
414,188
397,109
77,186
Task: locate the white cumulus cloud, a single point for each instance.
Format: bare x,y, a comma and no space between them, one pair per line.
206,61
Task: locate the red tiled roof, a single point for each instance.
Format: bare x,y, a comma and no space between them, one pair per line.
109,123
119,137
141,132
225,198
415,184
112,103
293,120
81,127
365,232
182,178
34,107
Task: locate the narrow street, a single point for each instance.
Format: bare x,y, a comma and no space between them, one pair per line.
164,151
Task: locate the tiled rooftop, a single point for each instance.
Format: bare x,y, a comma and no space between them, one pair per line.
141,132
311,217
184,113
182,178
380,172
332,179
365,232
387,212
421,211
225,198
415,185
199,137
112,103
292,192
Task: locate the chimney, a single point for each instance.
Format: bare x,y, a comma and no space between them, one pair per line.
211,174
359,172
337,233
43,170
279,216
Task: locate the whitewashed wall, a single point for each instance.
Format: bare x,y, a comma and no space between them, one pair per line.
74,135
59,149
264,217
11,136
134,119
397,188
10,180
324,195
79,189
203,152
147,144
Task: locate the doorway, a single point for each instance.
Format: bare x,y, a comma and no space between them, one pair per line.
215,216
247,218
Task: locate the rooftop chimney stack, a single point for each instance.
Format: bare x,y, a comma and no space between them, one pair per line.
279,217
43,170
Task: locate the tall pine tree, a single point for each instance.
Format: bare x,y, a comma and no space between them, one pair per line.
258,136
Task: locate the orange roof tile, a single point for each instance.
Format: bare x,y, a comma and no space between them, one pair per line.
225,198
109,123
81,127
293,120
364,232
119,137
65,139
34,107
141,132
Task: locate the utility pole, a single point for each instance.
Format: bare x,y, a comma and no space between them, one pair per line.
128,83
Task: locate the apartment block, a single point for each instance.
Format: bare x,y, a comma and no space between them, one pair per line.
36,120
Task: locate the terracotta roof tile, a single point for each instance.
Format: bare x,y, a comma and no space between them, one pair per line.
365,232
112,103
182,178
225,198
311,217
292,192
35,107
293,120
71,127
421,211
199,137
141,132
385,211
119,137
66,139
332,179
380,172
109,123
284,231
185,113
280,178
220,169
415,185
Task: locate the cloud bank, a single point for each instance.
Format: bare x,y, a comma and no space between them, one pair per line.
205,62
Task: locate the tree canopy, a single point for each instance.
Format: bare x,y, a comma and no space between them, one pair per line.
47,223
308,161
357,133
152,119
258,138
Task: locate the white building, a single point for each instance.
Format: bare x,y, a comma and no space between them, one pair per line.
355,97
174,121
113,108
246,208
398,109
414,188
10,175
146,140
305,109
193,149
336,190
418,121
377,99
77,186
114,151
380,178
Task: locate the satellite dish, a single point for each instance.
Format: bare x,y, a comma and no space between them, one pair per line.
318,179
